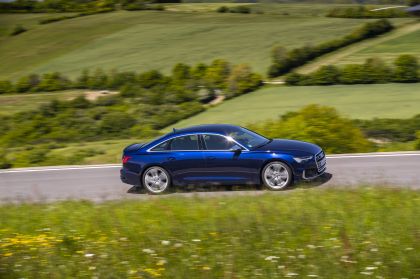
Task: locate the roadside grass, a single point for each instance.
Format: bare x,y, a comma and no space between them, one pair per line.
14,103
341,233
403,40
353,101
147,40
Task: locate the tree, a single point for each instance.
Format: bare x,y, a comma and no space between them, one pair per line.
406,69
217,73
181,72
242,80
83,79
53,82
318,124
24,84
352,74
98,80
376,71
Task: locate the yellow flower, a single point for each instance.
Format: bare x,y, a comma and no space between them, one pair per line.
8,254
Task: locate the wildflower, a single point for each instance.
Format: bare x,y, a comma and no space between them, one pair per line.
366,273
177,245
92,267
148,251
161,262
301,256
290,274
280,266
196,240
206,268
371,267
270,258
310,246
374,250
165,242
89,255
377,263
312,275
409,248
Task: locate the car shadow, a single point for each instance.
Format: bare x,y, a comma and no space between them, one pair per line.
319,181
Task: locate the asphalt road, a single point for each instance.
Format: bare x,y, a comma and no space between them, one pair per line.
101,182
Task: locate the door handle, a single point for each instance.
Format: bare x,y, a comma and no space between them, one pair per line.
211,158
171,158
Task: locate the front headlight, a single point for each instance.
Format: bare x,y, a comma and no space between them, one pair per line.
303,159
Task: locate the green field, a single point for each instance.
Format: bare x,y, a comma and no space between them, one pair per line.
403,40
15,103
157,40
353,101
304,233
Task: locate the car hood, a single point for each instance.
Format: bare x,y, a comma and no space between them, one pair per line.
290,145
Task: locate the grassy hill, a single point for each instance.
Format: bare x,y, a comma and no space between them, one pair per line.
157,40
354,101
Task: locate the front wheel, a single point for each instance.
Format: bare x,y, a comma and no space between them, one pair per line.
277,175
156,180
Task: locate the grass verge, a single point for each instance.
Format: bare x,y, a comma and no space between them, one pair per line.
324,233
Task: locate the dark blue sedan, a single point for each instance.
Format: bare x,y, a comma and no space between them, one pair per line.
220,154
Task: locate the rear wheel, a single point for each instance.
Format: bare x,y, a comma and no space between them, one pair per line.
156,180
277,175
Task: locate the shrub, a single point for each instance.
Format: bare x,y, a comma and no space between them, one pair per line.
5,86
18,30
406,69
242,80
418,140
366,12
320,125
240,9
326,75
222,9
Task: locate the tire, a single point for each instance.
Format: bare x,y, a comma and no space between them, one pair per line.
156,180
276,176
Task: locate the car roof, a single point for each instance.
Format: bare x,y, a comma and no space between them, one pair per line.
223,129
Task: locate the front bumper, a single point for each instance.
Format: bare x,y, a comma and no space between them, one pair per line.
316,167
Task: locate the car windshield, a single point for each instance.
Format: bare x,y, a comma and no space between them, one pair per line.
248,138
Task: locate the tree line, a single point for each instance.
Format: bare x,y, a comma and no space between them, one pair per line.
34,6
283,60
147,102
374,70
366,12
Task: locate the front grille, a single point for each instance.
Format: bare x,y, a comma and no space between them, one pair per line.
321,161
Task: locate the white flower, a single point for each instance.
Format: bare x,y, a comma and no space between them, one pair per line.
291,274
301,256
374,250
281,267
366,273
89,255
165,242
196,240
312,275
310,246
409,248
371,267
92,267
270,258
148,251
178,245
161,262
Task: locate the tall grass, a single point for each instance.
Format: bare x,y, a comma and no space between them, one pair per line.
358,233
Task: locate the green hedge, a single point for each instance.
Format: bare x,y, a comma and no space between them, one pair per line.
374,70
366,12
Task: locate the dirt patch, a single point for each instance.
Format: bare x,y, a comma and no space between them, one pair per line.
94,95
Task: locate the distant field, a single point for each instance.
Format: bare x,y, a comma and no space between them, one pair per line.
157,40
403,40
354,101
10,104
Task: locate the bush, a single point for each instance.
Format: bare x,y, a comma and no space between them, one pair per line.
325,75
406,69
5,86
418,140
18,30
320,125
222,9
242,80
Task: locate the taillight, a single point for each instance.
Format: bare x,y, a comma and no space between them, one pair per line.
125,159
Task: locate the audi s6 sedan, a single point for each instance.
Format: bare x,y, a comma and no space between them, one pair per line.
219,154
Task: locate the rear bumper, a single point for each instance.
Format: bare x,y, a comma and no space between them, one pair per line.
129,177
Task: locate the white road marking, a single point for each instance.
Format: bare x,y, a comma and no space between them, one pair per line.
109,166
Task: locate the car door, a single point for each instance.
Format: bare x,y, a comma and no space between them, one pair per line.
226,160
184,158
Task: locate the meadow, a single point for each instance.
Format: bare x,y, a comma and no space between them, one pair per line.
147,40
304,233
353,101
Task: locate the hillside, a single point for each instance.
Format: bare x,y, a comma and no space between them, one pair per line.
157,40
354,101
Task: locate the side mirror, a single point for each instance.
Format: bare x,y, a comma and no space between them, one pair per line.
236,150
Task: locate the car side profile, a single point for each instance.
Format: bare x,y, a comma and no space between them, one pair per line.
219,154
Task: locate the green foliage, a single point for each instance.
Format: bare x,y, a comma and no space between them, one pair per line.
18,30
374,70
366,12
242,80
418,140
320,125
217,73
235,9
397,130
284,61
406,69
